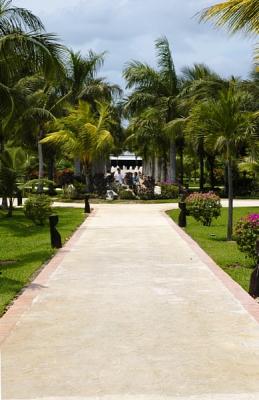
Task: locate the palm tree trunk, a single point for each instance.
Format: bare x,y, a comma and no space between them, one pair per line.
164,171
4,199
40,155
230,201
10,208
172,162
77,168
51,168
181,165
153,167
201,160
211,162
157,169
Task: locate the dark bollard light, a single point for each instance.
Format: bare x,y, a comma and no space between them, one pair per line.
254,280
182,216
54,234
87,205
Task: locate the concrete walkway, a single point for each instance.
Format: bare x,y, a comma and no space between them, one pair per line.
132,312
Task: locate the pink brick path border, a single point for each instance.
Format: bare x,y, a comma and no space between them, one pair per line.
25,300
237,291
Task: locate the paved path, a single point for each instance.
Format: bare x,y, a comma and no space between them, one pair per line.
224,202
132,313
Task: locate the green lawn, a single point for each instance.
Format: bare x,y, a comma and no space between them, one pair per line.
213,240
29,247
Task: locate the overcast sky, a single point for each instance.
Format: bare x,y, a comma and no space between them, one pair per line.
126,29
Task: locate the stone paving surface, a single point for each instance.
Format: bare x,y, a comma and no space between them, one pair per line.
132,312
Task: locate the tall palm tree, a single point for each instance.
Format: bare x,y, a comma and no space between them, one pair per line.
155,88
237,15
84,84
199,82
225,124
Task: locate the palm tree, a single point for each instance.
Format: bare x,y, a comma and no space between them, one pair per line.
237,15
83,84
157,89
199,82
225,124
13,164
84,135
25,49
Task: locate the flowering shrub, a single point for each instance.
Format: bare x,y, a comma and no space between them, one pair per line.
247,232
204,207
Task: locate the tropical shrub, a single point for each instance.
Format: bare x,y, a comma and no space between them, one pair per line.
145,193
38,208
169,191
204,207
246,234
127,195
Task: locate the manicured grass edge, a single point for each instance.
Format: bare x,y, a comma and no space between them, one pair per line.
229,254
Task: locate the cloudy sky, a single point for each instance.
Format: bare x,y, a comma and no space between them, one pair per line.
126,29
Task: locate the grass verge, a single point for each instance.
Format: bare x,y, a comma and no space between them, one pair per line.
25,247
212,239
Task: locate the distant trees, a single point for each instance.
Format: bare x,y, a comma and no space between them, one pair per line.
152,104
40,80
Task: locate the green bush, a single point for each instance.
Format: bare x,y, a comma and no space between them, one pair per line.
38,208
203,207
246,234
169,191
127,195
146,193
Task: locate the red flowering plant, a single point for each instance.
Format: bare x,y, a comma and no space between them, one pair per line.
204,207
246,234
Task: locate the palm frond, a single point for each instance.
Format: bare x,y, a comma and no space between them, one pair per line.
166,64
235,14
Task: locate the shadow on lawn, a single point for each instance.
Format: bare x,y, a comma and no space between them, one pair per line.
36,257
8,285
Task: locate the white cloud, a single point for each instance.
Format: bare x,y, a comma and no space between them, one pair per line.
127,30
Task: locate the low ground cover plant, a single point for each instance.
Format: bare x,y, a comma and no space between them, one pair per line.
246,234
204,207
